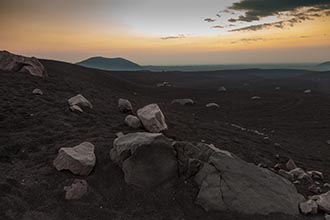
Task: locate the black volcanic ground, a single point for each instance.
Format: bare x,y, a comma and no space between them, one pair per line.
34,127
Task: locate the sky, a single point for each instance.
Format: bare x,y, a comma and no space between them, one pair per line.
169,32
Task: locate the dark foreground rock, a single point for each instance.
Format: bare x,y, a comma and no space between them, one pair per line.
16,63
147,159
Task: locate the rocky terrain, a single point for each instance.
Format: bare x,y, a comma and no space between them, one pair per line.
62,157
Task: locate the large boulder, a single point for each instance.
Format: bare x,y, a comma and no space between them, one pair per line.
183,101
80,160
16,63
80,101
147,159
125,105
229,183
152,118
132,121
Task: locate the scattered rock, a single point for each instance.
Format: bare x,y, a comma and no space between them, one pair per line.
183,101
300,174
278,88
291,165
37,92
210,105
228,183
124,105
222,89
80,101
77,190
314,188
279,166
323,201
164,84
328,142
16,63
255,97
308,91
119,134
316,174
308,207
132,121
76,108
326,185
80,159
152,118
147,159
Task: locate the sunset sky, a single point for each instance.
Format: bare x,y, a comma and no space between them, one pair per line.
169,32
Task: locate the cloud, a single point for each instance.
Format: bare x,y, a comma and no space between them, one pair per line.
209,20
218,26
180,36
254,10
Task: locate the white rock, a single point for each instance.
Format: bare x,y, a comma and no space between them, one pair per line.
183,101
152,118
77,189
37,92
132,121
308,91
222,89
124,105
210,105
80,100
80,159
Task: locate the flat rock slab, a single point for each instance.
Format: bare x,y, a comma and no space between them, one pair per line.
152,118
80,159
229,183
147,159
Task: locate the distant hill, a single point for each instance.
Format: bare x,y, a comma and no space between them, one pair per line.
117,64
324,66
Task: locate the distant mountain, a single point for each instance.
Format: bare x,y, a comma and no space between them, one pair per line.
117,64
324,66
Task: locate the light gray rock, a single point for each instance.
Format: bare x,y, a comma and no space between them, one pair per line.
286,175
76,108
152,118
210,105
315,174
76,190
327,217
255,97
308,207
323,201
222,89
124,105
308,91
80,101
37,92
132,121
147,159
80,160
183,101
16,63
300,174
229,183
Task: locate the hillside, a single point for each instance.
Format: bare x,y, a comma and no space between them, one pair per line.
104,63
34,127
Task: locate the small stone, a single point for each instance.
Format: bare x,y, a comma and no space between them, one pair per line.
328,142
308,91
119,134
132,121
323,202
37,92
286,175
210,105
309,207
327,217
77,190
327,185
80,100
222,89
279,166
314,189
255,97
124,105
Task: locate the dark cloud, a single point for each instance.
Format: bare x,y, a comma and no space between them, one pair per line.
180,36
209,20
289,12
257,9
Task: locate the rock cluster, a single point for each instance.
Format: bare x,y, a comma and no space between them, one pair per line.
78,102
16,63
